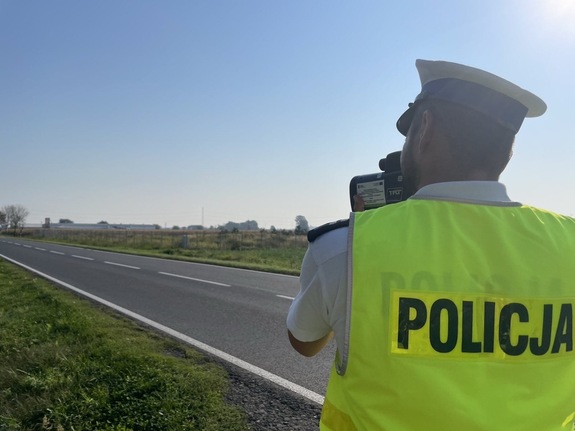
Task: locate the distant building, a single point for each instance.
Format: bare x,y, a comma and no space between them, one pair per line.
247,225
102,226
195,227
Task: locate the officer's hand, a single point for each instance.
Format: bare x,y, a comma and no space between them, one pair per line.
358,204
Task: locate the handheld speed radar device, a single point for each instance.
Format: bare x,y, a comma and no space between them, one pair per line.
380,188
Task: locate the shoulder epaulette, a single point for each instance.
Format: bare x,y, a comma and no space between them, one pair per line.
314,234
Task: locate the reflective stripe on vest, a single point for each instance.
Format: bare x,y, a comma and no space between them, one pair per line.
461,319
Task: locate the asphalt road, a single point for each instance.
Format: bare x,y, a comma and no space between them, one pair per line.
239,312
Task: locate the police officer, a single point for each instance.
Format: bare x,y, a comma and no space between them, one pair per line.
452,310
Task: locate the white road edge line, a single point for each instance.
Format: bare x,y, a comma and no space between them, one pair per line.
57,252
82,257
286,297
194,279
120,264
300,390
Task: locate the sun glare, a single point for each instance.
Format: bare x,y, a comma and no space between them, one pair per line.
559,16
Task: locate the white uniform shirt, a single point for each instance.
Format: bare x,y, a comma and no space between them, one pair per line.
320,306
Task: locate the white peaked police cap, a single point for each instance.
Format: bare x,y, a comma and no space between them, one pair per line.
488,94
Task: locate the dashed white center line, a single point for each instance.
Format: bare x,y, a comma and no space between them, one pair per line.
194,279
41,249
27,246
82,257
56,252
285,297
120,264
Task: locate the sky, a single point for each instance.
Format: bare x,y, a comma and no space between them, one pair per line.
188,112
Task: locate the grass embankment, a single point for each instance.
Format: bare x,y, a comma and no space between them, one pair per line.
259,250
279,261
65,365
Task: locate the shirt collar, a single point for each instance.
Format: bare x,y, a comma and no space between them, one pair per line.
466,191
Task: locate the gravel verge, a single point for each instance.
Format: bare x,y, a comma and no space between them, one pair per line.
268,406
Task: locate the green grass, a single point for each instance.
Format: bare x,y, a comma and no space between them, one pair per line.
282,261
65,364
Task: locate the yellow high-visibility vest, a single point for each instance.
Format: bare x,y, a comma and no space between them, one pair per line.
461,319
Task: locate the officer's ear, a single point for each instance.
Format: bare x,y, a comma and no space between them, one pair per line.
426,130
